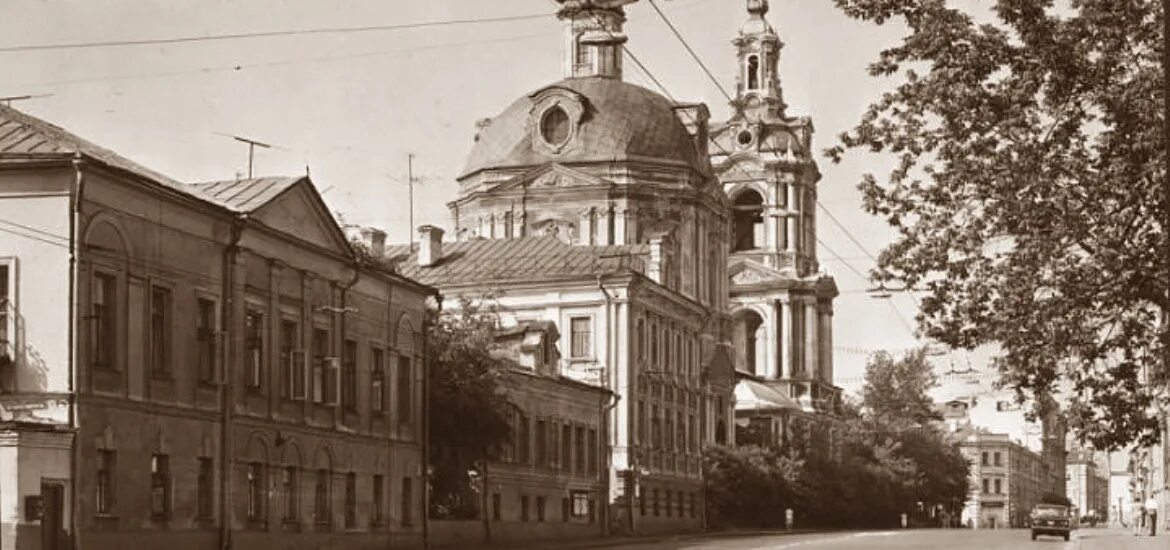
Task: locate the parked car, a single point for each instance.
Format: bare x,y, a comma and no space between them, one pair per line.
1051,519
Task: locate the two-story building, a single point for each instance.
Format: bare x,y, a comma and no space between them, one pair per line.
196,365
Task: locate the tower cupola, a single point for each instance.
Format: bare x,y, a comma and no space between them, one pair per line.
593,37
758,47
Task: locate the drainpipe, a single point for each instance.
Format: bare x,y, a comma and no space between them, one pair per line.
227,402
77,194
426,424
603,462
611,358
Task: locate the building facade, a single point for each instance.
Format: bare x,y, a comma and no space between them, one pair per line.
781,299
549,481
196,366
591,203
1087,486
1007,479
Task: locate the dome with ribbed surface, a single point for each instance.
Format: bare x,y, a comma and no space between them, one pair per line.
620,121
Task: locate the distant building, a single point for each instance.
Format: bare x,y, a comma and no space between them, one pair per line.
1088,488
1006,480
196,366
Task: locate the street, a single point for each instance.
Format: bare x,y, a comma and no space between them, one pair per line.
1086,539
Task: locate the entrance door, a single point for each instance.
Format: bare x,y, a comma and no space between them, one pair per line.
52,520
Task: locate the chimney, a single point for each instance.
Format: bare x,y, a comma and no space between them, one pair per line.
430,245
375,239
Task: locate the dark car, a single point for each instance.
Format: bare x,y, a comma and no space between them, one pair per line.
1051,519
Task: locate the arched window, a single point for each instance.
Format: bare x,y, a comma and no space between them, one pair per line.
749,220
753,69
751,342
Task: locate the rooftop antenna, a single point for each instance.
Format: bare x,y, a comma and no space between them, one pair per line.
7,100
252,145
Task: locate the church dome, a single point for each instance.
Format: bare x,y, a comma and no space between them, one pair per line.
593,119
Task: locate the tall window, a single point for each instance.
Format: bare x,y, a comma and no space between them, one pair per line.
288,484
986,486
998,486
292,378
256,492
641,332
5,307
542,457
349,376
205,488
523,440
753,68
160,486
378,514
581,337
540,500
377,380
654,344
998,459
205,339
523,507
254,348
579,445
102,314
566,447
105,482
320,353
160,324
321,498
405,391
584,57
350,500
407,502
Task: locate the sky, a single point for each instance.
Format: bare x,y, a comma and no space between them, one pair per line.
351,106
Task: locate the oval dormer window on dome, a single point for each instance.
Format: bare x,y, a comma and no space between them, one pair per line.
554,126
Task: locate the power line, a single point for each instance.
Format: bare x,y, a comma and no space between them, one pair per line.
690,50
846,231
239,67
266,34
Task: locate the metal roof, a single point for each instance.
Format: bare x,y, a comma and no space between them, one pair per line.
24,134
533,258
245,195
622,121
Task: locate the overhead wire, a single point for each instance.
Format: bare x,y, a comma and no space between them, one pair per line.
267,34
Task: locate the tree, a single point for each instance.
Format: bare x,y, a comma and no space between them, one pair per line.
895,391
468,421
1030,148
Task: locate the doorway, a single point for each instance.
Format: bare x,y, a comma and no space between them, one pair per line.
52,515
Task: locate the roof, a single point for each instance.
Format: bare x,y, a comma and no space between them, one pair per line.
621,121
751,395
24,134
245,195
531,258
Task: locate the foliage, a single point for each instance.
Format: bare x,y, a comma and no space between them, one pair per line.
468,421
750,485
888,457
1026,195
895,390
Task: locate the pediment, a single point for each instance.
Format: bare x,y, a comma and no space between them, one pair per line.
748,272
299,212
550,176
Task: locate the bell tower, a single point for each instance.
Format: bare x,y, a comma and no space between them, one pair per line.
593,38
758,92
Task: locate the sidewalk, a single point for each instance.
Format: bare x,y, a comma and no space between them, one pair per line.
621,540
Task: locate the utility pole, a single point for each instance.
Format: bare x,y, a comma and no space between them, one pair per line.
1165,421
410,194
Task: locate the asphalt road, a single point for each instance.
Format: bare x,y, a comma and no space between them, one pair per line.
959,539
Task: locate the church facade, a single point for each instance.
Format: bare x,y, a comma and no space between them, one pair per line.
591,203
781,300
